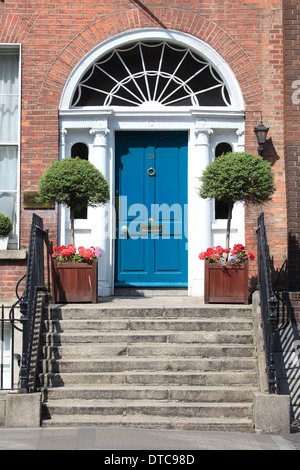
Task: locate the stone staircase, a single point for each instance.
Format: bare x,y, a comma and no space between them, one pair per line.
185,367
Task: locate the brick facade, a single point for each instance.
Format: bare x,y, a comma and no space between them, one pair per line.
291,16
248,36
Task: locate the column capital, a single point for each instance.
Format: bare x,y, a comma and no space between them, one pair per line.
100,136
202,135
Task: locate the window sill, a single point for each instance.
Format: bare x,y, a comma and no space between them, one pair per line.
13,254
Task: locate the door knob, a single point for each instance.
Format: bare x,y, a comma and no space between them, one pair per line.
124,228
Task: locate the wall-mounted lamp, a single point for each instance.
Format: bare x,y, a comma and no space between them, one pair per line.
261,132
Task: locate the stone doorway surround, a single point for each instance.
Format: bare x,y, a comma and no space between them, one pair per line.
207,127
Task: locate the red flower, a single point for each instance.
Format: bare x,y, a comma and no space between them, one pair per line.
250,255
238,255
89,253
70,254
81,250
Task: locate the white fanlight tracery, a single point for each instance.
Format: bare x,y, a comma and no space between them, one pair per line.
145,73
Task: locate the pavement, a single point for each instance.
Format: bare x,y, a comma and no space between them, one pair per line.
142,446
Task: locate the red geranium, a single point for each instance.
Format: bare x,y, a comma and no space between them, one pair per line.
70,254
237,255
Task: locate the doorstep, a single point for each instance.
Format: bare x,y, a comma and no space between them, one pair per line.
118,302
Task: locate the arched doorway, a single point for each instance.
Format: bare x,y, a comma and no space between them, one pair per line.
161,84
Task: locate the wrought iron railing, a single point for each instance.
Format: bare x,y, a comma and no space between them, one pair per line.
35,283
268,302
30,305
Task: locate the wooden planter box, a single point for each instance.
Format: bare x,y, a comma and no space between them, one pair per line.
75,282
226,284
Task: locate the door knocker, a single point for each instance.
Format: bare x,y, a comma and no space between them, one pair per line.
151,172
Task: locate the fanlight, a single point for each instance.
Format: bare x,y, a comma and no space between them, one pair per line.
153,74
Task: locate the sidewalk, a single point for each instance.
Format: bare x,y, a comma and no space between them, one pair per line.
129,439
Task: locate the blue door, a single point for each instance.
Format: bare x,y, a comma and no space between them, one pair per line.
151,205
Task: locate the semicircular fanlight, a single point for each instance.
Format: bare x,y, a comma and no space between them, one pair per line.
151,73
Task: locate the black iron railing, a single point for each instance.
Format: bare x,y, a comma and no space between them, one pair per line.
268,302
35,283
31,304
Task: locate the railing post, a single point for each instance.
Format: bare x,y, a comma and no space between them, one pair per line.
24,362
269,302
273,324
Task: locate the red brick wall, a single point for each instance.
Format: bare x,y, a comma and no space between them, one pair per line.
292,134
11,273
56,36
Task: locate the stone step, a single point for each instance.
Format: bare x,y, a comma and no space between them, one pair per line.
182,393
113,364
156,422
148,378
150,292
72,312
93,350
158,324
140,363
199,337
148,408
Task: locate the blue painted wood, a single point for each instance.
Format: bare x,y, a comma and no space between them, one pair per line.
151,258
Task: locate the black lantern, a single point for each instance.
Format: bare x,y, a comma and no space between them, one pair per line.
261,132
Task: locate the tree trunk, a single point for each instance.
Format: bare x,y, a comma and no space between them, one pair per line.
228,226
72,212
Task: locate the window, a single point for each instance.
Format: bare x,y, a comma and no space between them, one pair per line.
9,135
80,150
146,72
221,207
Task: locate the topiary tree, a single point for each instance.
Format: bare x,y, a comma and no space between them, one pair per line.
237,177
6,225
74,183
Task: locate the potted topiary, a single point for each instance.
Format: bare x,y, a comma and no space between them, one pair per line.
75,183
6,227
233,177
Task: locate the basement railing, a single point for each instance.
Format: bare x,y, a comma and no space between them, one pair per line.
31,307
268,303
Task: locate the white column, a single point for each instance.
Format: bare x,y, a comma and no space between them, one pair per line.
101,216
62,214
200,212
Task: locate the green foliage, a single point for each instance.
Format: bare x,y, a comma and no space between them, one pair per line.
236,177
75,183
6,225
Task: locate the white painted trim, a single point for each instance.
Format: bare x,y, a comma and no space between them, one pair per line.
17,47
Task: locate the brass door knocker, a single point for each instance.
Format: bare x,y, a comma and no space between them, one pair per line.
151,172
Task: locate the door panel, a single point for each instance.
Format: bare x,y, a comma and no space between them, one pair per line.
151,191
